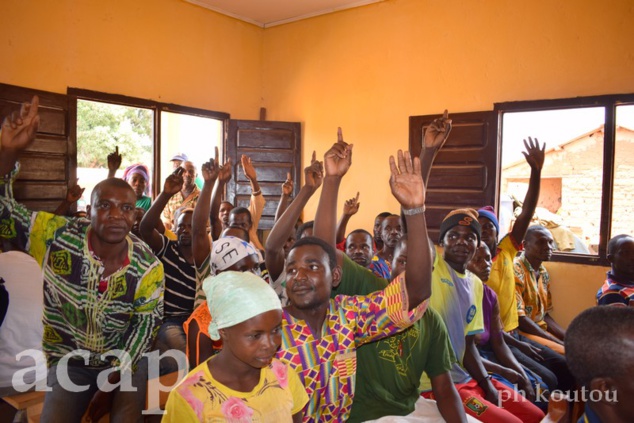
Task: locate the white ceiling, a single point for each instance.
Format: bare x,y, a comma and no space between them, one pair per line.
267,13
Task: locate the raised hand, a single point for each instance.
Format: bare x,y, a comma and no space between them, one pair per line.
114,161
438,132
314,174
406,181
19,128
351,206
224,175
174,182
287,186
338,159
534,154
211,169
74,193
247,168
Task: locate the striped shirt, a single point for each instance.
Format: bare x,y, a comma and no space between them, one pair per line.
180,280
76,315
616,290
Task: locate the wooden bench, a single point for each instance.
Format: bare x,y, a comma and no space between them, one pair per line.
33,402
29,402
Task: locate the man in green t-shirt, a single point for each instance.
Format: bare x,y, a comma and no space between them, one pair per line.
389,371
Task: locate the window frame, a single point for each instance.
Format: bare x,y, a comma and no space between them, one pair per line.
157,107
609,103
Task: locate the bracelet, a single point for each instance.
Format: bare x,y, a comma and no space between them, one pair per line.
487,377
411,212
258,192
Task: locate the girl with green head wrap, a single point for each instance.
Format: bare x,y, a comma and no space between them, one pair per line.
244,381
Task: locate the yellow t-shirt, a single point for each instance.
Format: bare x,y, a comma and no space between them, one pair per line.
200,398
502,281
457,298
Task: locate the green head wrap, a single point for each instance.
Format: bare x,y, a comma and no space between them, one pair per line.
235,297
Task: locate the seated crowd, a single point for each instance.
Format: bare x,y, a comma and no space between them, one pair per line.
318,324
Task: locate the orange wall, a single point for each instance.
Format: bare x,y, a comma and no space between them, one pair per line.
573,288
165,50
368,69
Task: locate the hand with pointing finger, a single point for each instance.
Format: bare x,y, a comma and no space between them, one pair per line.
437,133
114,162
287,186
338,159
351,206
314,174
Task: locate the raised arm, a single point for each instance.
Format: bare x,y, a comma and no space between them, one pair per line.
257,201
535,158
274,246
200,240
224,176
337,161
350,208
435,137
406,183
114,162
172,186
73,194
17,133
285,198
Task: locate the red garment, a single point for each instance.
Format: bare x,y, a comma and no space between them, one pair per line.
516,408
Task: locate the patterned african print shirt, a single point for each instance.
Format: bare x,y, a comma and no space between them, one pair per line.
77,315
327,364
176,202
533,296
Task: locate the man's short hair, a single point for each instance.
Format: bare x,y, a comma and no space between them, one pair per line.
180,211
361,231
534,229
329,249
238,232
227,202
597,343
113,182
302,228
240,210
383,215
615,242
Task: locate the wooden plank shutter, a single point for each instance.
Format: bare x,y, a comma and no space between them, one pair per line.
275,150
47,165
465,172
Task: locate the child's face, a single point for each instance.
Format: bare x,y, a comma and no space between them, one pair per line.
254,342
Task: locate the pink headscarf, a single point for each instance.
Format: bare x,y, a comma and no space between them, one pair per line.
142,170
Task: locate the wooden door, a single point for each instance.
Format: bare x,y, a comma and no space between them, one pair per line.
275,150
465,172
47,166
